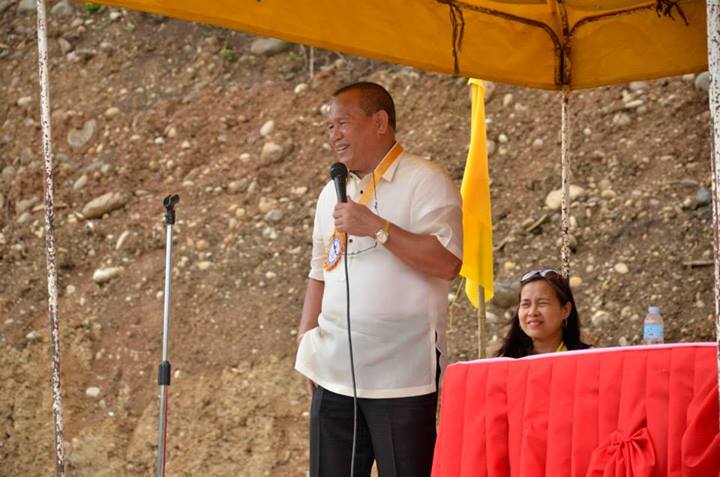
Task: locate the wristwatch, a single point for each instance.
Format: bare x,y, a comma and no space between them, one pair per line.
383,234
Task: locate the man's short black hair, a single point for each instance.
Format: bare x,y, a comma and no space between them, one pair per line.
373,98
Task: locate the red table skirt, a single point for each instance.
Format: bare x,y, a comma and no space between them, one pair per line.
646,411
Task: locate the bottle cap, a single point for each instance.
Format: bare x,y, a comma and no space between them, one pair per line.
654,309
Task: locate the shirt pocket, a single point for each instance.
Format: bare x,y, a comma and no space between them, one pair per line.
360,246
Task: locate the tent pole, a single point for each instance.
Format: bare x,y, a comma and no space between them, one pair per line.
713,34
565,181
48,189
482,319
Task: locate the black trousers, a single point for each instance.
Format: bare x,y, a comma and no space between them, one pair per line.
398,433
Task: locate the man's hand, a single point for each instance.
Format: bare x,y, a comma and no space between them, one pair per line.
310,387
356,219
310,313
309,383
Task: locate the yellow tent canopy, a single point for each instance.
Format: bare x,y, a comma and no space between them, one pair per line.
537,43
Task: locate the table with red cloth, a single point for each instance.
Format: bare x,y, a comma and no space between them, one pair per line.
645,411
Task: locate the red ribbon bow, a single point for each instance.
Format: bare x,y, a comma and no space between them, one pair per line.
622,456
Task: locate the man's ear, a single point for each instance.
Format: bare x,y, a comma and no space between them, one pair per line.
382,121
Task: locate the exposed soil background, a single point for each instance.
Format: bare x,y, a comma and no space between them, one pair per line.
178,108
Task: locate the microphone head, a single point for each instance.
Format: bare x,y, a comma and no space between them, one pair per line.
338,170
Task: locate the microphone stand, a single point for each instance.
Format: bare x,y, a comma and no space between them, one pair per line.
164,368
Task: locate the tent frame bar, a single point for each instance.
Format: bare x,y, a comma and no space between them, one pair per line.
562,44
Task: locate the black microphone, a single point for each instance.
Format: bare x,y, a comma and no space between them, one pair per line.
338,174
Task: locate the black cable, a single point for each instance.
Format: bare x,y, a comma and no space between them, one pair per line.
352,361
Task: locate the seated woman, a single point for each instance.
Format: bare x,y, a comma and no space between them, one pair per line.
546,319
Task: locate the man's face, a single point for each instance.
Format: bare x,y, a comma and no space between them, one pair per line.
352,133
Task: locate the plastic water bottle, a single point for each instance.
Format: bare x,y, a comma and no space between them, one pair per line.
653,332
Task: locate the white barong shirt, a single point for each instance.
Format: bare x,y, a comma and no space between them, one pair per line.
398,315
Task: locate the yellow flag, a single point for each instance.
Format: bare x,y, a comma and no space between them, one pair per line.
477,220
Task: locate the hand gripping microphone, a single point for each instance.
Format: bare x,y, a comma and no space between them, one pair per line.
338,174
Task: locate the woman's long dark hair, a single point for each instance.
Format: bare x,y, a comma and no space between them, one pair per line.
517,344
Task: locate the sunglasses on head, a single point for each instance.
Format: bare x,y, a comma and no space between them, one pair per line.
549,273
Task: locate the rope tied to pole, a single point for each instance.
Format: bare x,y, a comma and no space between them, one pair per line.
565,182
48,193
713,41
457,20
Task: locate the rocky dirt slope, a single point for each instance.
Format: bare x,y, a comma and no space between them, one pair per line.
144,106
